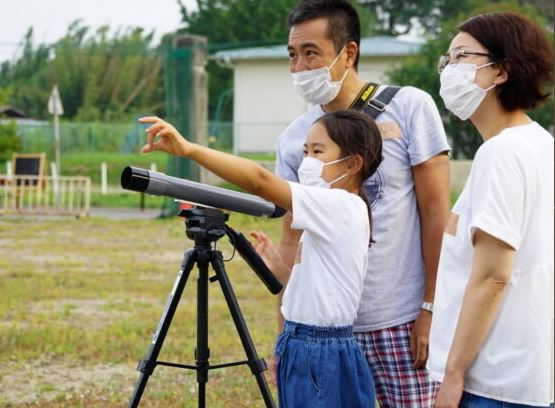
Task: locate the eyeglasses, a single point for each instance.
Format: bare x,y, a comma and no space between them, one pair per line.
453,58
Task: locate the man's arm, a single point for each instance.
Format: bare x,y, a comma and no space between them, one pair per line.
431,184
492,265
288,247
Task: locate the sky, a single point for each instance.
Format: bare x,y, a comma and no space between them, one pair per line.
50,18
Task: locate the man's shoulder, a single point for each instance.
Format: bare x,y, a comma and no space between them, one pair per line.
300,125
410,95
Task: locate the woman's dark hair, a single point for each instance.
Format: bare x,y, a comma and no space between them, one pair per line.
356,134
521,47
343,20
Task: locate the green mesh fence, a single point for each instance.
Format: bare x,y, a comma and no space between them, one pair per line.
104,137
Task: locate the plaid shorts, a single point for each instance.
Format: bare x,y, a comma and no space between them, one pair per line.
398,384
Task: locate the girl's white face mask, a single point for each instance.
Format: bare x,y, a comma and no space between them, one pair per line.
459,92
310,172
316,86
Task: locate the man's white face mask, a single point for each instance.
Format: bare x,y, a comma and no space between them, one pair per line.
459,92
316,86
310,172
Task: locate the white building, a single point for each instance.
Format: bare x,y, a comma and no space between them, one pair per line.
264,100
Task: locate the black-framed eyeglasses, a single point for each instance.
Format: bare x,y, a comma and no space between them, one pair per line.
453,58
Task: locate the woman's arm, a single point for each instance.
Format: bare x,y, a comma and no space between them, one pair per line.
242,172
491,271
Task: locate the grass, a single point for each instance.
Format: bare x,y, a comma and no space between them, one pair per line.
81,299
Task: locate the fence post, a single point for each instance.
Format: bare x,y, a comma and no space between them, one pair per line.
187,99
104,177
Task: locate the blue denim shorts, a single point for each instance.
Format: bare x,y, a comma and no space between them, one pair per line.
469,400
322,367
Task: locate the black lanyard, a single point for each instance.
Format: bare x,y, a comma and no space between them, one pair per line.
364,96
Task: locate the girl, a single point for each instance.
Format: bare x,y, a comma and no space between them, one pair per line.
491,341
320,363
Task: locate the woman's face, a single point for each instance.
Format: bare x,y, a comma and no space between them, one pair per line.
320,146
486,76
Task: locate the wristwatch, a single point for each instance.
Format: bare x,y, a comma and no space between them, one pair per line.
427,306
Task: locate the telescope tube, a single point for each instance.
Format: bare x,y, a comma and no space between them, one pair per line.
152,182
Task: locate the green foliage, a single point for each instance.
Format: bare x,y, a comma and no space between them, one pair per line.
420,71
9,140
100,76
396,17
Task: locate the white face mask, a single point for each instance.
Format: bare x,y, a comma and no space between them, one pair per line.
310,172
459,92
316,86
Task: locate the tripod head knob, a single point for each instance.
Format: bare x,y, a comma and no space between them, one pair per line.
204,225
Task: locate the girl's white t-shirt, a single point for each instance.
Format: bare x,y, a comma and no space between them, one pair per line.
509,195
326,282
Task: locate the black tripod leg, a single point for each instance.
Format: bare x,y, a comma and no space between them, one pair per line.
257,365
147,365
202,352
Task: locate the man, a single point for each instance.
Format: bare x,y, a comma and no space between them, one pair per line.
409,196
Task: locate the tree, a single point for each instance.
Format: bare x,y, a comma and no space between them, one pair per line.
420,71
101,76
396,17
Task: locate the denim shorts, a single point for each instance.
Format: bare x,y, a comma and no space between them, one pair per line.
322,367
469,400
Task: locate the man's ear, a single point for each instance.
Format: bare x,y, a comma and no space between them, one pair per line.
355,163
351,51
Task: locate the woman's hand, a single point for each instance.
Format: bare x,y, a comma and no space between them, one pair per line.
170,140
450,392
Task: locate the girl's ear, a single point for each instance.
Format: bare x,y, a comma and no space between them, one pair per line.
354,164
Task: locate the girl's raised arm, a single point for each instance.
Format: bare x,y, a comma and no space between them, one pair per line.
245,173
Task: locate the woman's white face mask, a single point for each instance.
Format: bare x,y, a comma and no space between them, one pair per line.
310,172
316,86
459,92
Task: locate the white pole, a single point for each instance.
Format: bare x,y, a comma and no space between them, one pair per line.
9,172
57,141
55,183
153,167
104,177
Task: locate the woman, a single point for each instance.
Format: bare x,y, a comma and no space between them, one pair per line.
491,341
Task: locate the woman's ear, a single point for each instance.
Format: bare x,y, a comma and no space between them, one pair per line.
354,164
503,74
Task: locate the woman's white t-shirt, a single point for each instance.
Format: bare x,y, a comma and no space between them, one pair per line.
509,195
325,286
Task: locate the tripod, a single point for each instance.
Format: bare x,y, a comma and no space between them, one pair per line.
204,226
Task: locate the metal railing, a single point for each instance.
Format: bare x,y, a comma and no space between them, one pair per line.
45,195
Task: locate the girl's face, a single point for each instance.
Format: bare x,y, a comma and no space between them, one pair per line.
320,146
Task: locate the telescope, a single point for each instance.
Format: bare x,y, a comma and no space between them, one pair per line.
205,226
152,182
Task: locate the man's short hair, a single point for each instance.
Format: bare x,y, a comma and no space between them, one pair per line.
343,20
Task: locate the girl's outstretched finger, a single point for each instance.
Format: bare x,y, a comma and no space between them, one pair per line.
149,119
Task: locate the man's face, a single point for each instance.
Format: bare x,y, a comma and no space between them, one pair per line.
309,47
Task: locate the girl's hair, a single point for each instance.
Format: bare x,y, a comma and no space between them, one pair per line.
521,47
356,134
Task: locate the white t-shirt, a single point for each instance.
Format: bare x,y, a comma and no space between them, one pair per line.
325,287
412,133
509,195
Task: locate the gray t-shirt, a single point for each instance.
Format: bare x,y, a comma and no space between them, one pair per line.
412,133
